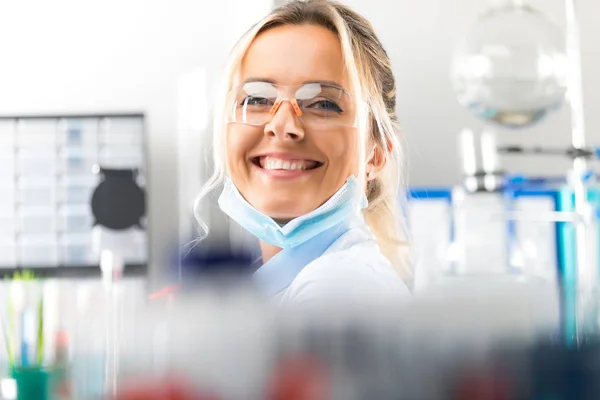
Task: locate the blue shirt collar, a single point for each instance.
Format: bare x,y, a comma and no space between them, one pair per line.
277,274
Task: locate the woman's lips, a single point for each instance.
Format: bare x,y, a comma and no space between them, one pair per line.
285,168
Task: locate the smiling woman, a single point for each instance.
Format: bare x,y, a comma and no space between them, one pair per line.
306,145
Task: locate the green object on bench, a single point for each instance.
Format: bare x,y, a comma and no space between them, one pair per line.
33,383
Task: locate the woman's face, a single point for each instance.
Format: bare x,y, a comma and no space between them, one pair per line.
264,161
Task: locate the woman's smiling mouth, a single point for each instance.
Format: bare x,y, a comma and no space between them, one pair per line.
285,165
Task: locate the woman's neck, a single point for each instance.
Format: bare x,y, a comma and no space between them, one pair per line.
268,251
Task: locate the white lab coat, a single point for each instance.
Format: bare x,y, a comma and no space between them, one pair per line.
351,270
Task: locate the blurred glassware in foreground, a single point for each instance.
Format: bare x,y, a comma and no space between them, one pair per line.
510,68
462,341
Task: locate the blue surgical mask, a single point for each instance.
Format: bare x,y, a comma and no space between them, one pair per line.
343,205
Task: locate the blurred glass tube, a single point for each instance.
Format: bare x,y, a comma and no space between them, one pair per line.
489,155
489,161
468,153
586,242
111,265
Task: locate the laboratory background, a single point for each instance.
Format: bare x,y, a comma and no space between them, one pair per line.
105,141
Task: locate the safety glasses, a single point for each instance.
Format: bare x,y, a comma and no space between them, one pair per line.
315,104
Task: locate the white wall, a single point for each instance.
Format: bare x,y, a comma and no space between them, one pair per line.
420,36
72,56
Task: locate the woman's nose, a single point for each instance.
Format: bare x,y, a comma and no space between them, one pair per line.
285,124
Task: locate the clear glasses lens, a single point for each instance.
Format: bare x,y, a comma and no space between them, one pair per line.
315,104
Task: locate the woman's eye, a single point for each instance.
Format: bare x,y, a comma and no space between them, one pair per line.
256,101
326,105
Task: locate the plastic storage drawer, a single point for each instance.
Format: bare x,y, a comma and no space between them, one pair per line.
121,131
38,250
78,133
39,191
121,157
7,165
7,133
36,162
7,198
37,219
37,133
77,189
76,161
7,224
75,218
77,250
8,252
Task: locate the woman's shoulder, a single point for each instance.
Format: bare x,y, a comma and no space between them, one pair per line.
355,273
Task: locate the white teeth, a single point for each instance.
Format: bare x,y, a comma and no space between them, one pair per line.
274,163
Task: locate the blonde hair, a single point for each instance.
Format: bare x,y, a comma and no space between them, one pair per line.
374,88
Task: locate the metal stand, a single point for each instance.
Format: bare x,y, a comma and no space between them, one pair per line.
587,270
580,309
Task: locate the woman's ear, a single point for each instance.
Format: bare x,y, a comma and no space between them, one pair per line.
375,162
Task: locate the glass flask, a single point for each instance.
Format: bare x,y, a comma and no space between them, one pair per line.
510,69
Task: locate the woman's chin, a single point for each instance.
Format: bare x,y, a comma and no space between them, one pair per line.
283,214
281,206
